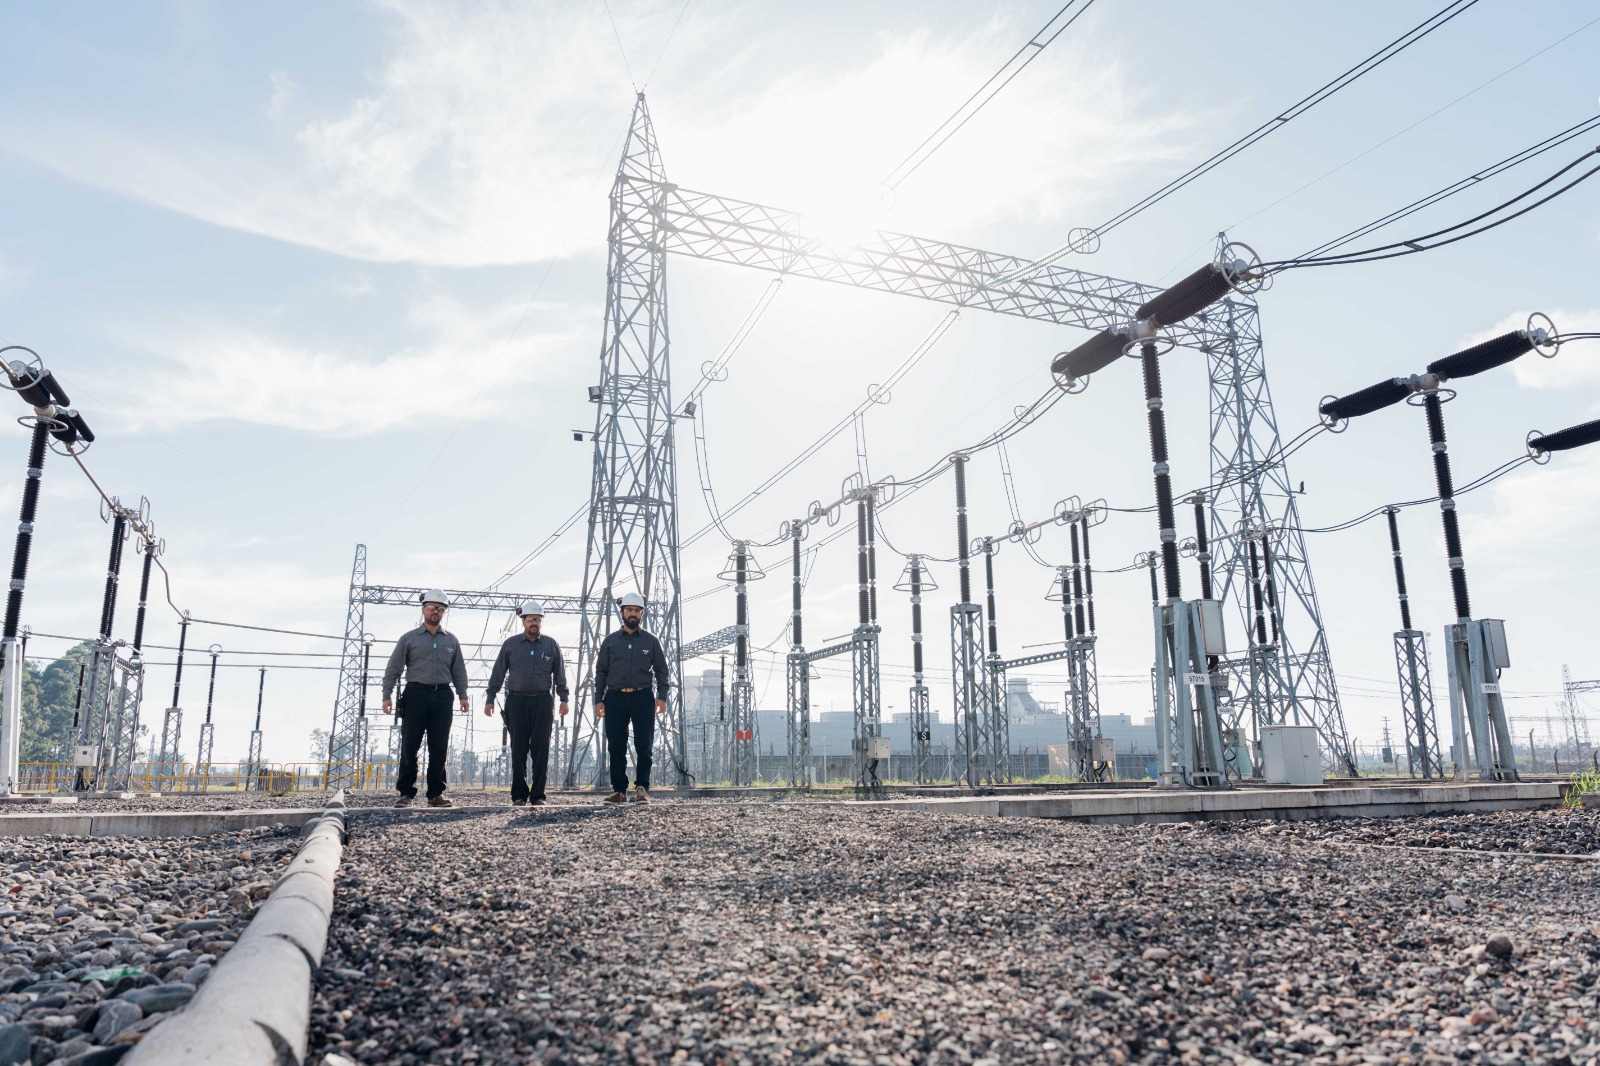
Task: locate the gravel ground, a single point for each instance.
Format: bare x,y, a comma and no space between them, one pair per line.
239,801
100,938
730,933
1557,830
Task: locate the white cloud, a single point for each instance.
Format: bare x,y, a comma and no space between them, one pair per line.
467,363
482,137
283,90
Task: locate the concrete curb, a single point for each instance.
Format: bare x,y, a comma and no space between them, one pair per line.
255,1007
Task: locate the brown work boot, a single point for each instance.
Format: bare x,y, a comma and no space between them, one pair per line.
439,801
404,801
617,797
641,794
541,803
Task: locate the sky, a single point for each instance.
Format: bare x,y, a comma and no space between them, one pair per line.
321,275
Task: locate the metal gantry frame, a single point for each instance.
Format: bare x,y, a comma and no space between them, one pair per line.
970,689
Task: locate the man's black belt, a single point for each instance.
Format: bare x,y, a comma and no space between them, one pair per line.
541,692
423,684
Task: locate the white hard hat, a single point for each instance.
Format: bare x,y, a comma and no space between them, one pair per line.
529,607
631,599
435,596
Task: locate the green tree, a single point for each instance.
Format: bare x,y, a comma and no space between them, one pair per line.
319,745
47,731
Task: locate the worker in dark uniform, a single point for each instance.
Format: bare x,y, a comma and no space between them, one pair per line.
431,659
531,667
629,660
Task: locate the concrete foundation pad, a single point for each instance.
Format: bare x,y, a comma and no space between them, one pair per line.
25,800
1274,804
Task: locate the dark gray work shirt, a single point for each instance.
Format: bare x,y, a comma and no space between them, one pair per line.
428,659
532,666
628,660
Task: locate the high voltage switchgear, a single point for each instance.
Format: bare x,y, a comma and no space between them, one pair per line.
1424,758
52,417
202,758
743,743
1476,648
916,580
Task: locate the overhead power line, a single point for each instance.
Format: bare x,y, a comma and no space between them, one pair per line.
988,91
877,394
1277,122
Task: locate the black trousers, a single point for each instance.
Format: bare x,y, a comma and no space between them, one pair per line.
427,713
622,708
528,719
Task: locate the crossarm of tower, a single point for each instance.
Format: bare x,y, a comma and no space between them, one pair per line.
469,601
719,228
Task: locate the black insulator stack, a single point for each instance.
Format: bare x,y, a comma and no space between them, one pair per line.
916,618
261,691
1447,504
861,561
77,701
1202,544
177,674
1088,576
1367,400
1497,351
1163,475
796,637
741,608
144,596
872,558
108,605
1566,439
1257,600
1066,602
988,578
1399,569
1155,590
1192,294
1099,351
1272,586
1077,585
24,548
963,557
211,689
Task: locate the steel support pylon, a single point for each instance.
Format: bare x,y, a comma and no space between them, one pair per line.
974,745
633,516
868,706
1255,494
344,738
1423,757
799,717
1083,709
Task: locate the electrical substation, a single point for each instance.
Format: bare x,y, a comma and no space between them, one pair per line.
828,776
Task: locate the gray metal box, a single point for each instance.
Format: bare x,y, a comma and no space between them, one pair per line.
1290,756
1494,633
85,754
1211,632
878,748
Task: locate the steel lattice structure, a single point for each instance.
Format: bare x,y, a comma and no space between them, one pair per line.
1254,496
633,502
